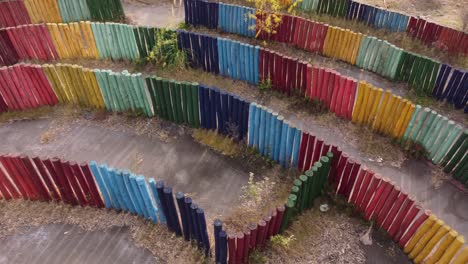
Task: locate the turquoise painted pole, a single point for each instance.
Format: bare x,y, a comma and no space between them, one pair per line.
454,133
101,183
436,132
220,56
431,133
411,123
442,137
419,122
425,128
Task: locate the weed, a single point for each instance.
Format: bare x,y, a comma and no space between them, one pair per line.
265,85
166,52
135,162
282,241
31,114
219,143
257,257
183,25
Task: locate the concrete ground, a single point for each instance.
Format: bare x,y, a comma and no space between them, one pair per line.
60,243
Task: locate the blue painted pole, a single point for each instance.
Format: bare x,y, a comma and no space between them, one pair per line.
138,196
256,62
218,226
268,122
133,198
203,231
101,183
188,213
169,199
118,191
283,143
196,225
109,184
123,192
257,128
297,145
243,65
290,146
271,138
152,211
180,198
252,110
223,247
161,215
262,131
278,131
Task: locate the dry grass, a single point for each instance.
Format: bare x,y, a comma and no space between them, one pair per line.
330,237
31,114
219,143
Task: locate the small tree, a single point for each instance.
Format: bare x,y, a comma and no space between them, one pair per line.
269,13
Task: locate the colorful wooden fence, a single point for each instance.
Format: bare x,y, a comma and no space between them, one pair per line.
426,75
272,136
430,33
23,12
90,184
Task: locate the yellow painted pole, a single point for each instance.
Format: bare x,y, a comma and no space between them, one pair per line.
358,104
375,105
426,245
386,113
365,102
407,120
394,115
356,50
462,258
381,110
452,250
420,233
448,239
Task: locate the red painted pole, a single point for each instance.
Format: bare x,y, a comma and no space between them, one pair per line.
363,190
357,186
385,197
390,201
412,229
345,178
315,83
232,248
71,178
267,218
92,185
380,192
317,150
48,181
279,218
245,258
404,220
36,178
64,186
376,179
261,233
272,227
339,170
9,184
21,172
392,215
253,235
352,97
308,81
240,247
334,165
310,149
352,179
83,184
